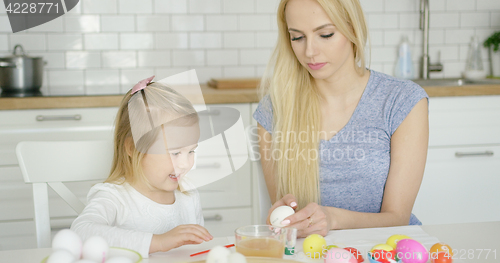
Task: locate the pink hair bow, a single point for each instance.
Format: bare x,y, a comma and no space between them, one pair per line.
141,84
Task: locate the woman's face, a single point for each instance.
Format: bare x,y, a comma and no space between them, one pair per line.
316,42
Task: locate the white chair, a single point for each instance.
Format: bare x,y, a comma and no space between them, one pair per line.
263,197
54,162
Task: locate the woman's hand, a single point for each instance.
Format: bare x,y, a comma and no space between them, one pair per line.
312,219
179,236
288,200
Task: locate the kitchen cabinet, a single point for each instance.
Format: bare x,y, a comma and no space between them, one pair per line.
462,173
227,203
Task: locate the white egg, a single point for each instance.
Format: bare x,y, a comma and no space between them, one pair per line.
68,240
236,258
119,259
61,256
218,254
95,248
279,214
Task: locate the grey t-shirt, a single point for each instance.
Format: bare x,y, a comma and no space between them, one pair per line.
354,163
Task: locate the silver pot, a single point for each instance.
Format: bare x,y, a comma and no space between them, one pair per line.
20,73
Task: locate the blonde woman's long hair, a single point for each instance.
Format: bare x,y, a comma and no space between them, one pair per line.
127,159
295,101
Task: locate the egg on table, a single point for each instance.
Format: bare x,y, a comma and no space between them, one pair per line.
411,251
394,239
68,240
61,256
339,255
313,245
279,214
236,258
218,254
95,248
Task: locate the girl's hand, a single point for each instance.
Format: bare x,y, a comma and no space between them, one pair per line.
288,200
179,236
312,219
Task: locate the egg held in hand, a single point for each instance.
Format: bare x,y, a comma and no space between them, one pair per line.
279,214
314,245
95,248
68,240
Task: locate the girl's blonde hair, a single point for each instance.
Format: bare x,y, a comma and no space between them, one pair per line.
295,101
127,159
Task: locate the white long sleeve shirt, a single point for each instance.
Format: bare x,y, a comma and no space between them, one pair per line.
128,219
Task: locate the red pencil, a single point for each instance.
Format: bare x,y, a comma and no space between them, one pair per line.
206,251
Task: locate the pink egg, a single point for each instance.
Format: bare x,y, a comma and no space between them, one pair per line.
339,255
411,251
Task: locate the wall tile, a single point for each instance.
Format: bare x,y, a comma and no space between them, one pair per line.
130,77
444,53
488,5
102,89
66,77
239,40
409,20
382,21
204,6
205,40
204,74
117,23
55,60
100,7
238,6
136,41
28,41
255,22
266,6
55,25
239,72
435,5
461,5
153,23
135,7
153,58
453,69
83,59
400,5
4,43
384,54
170,7
101,41
495,19
5,23
372,6
84,23
171,40
222,22
444,20
376,37
189,58
478,19
458,36
187,23
394,38
222,57
101,77
167,72
65,42
255,57
436,36
266,39
119,59
66,90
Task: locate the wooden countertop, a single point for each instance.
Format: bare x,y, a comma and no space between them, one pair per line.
211,96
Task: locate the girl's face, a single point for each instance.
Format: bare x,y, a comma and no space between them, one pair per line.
315,40
164,170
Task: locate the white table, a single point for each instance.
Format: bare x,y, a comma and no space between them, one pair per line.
469,240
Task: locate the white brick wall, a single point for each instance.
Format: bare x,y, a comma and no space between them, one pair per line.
106,46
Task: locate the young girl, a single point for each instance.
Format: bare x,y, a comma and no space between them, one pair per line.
140,206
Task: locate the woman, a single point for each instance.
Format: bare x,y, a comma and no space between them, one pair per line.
343,145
